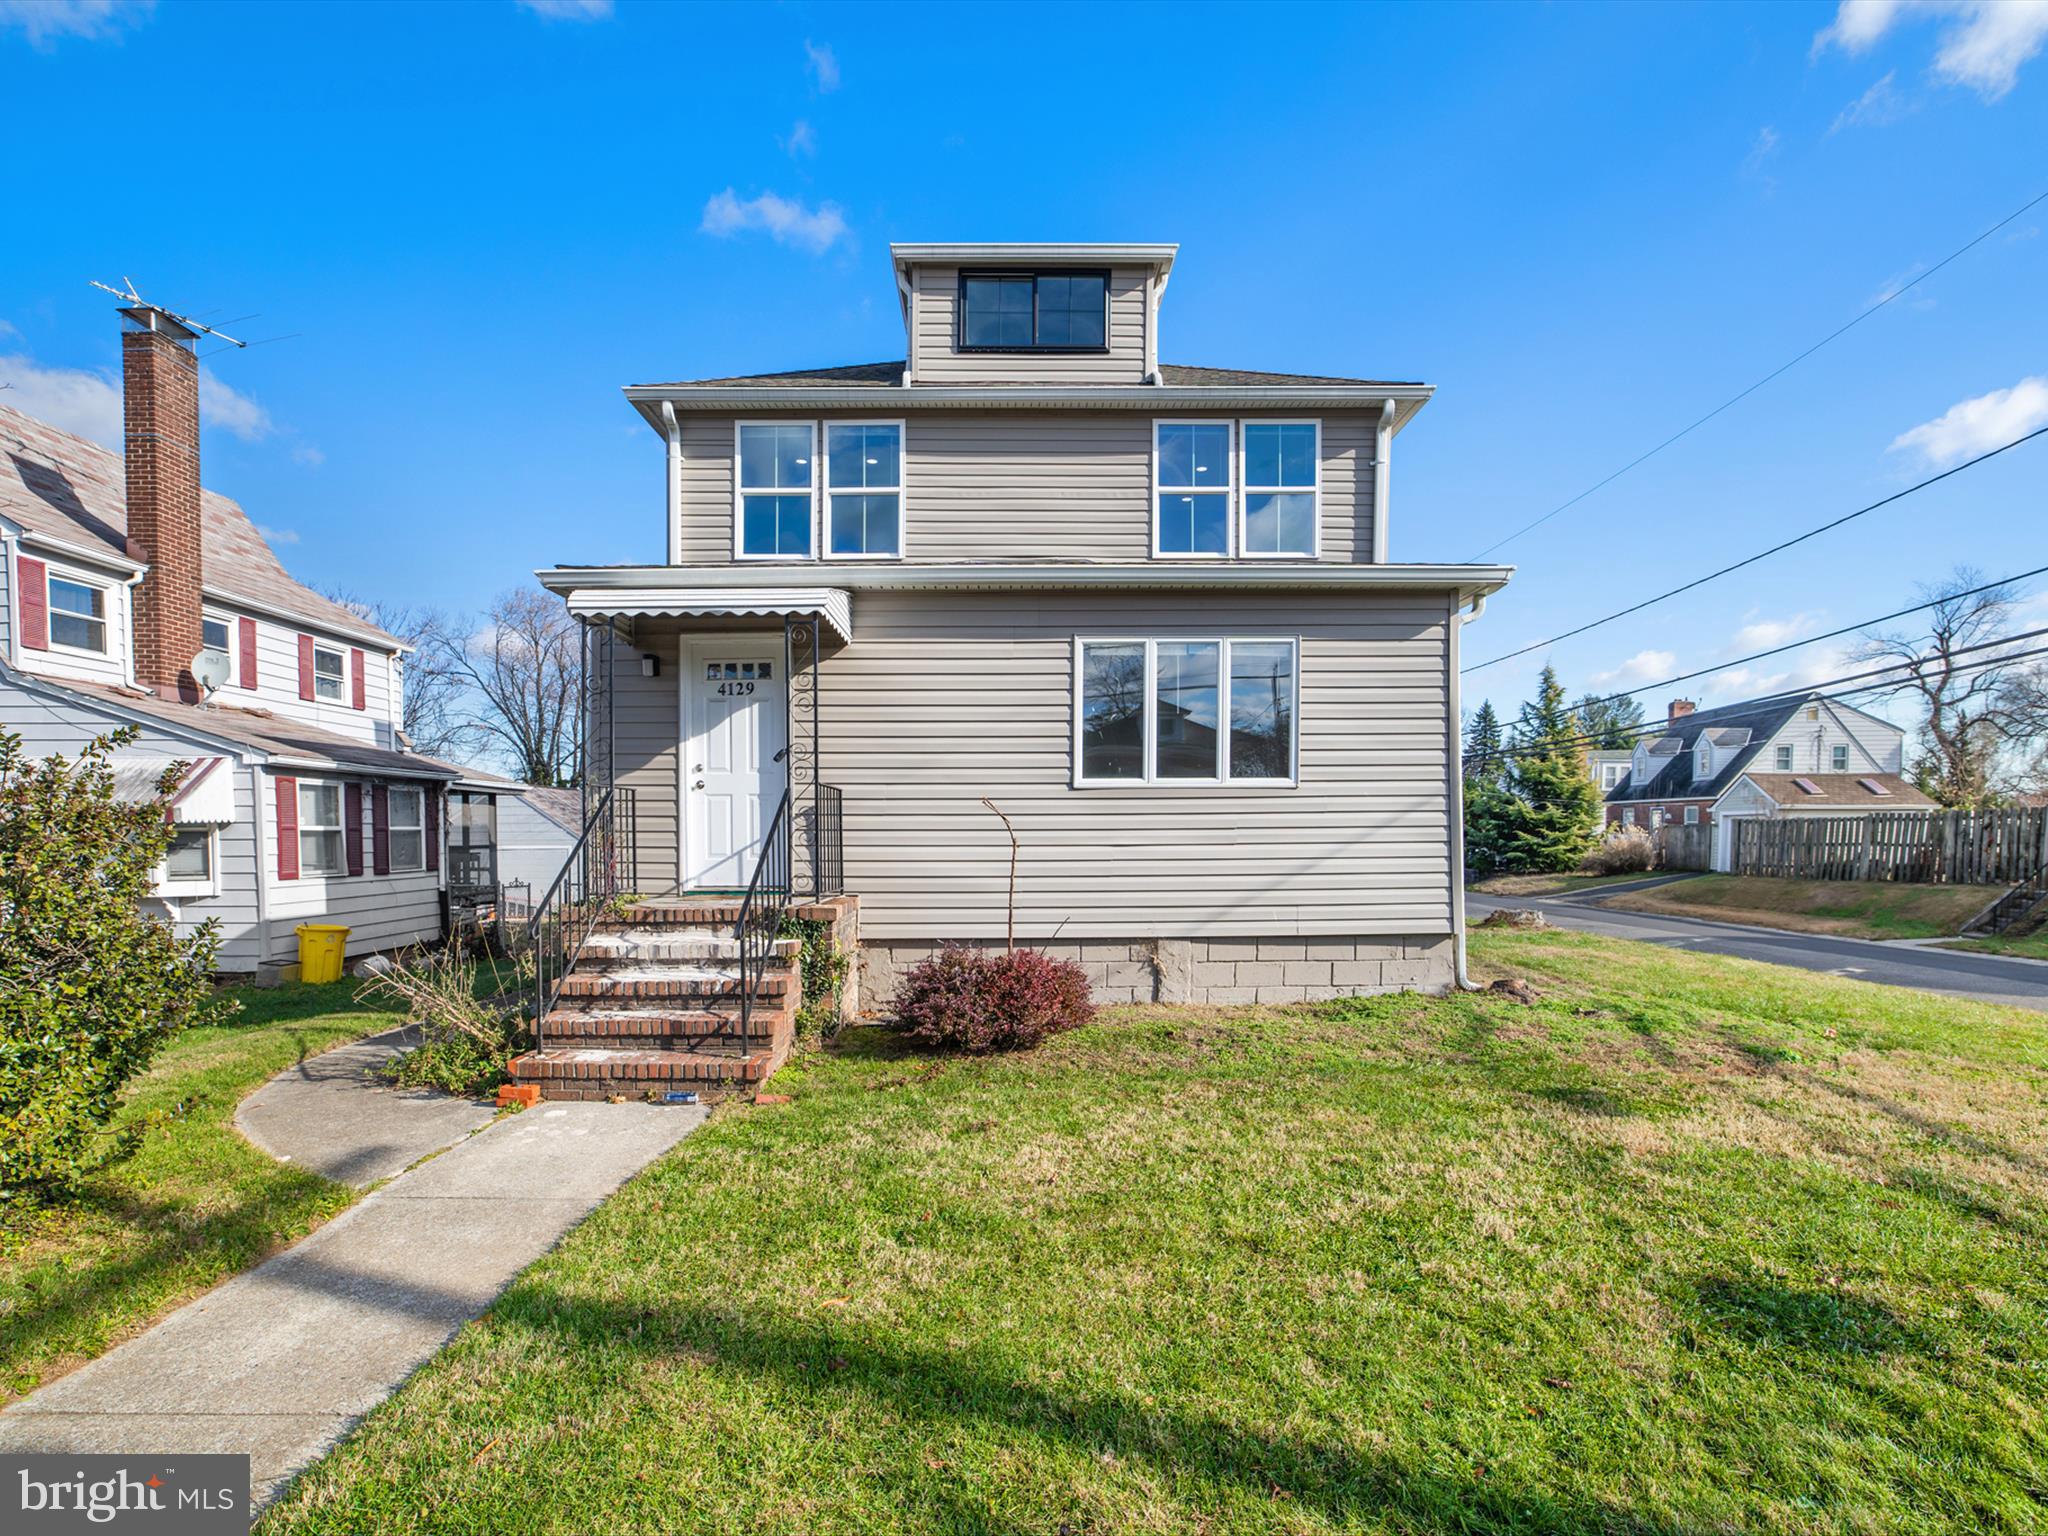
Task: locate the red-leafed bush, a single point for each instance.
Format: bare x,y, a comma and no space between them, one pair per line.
968,1000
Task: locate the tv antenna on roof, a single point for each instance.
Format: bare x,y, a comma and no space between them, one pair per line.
128,294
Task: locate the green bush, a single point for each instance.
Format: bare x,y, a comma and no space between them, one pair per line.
470,1018
90,988
823,965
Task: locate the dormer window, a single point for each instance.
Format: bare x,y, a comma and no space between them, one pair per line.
1034,312
78,616
1705,760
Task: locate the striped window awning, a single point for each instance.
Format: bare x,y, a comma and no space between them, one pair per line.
832,604
205,796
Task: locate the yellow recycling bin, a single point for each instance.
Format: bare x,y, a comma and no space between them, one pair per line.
321,946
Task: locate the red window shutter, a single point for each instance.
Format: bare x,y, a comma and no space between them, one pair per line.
247,632
355,672
352,825
35,603
380,828
433,826
287,829
305,666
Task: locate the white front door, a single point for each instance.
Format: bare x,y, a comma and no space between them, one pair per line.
732,767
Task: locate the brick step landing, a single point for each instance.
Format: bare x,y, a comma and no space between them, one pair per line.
617,983
649,946
581,1073
709,911
716,1033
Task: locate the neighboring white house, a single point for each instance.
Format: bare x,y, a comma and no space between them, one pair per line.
1801,755
303,802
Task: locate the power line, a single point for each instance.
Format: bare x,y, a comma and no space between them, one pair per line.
1700,581
1895,293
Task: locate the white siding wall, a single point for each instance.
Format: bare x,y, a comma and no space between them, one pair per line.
935,294
1874,746
6,597
110,667
1026,485
381,911
531,848
277,678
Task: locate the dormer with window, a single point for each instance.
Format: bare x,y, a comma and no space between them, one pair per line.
1031,314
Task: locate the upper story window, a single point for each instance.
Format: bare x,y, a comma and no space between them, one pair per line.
1034,311
78,615
1705,762
1195,486
213,634
1838,759
330,678
864,489
1784,759
1280,459
774,490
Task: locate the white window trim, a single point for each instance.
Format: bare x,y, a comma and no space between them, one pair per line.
1838,751
392,826
51,576
1784,757
1248,490
1228,490
824,465
233,648
319,697
1151,779
171,889
739,494
1692,815
340,829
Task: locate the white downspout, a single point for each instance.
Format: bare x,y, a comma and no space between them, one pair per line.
1456,748
675,482
1382,451
909,298
128,624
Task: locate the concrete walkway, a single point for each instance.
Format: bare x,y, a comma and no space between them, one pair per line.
279,1362
334,1114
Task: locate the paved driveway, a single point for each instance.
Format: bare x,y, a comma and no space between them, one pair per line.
1960,973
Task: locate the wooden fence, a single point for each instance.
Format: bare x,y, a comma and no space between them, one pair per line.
1683,847
1994,847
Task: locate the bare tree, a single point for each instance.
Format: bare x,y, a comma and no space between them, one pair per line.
519,679
1973,704
433,718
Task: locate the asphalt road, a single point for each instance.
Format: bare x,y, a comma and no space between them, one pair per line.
1960,973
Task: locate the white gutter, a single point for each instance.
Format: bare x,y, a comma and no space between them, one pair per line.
100,556
699,397
675,482
1382,453
1455,748
388,645
1469,581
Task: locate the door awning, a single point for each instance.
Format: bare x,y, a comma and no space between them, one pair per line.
205,796
831,604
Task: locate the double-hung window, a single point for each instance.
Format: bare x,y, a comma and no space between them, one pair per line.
863,489
774,490
1784,759
1034,312
1838,759
330,679
320,829
1185,711
408,811
1193,462
78,615
1280,459
189,859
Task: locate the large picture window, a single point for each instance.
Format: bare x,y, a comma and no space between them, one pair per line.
78,615
1193,472
864,489
774,490
1034,312
1280,459
408,811
1188,711
320,829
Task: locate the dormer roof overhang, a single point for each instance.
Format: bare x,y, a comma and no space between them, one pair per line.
1031,253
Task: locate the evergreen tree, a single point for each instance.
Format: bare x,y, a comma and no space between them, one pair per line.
1484,741
1610,722
1555,818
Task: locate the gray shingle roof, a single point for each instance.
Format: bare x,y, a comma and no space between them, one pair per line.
67,487
564,807
1674,781
885,375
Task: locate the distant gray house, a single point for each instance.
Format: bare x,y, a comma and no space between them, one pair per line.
302,802
1146,609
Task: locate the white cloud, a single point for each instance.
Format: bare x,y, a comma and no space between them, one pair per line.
1762,634
1818,665
786,220
1760,152
801,140
1976,426
308,455
278,535
44,21
823,64
88,402
1643,667
569,10
1982,43
1877,106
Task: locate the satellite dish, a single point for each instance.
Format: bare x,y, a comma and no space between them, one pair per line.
210,670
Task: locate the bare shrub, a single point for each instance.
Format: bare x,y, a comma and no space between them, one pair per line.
471,1019
1627,851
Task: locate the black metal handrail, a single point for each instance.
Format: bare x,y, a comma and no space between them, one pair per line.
760,920
592,878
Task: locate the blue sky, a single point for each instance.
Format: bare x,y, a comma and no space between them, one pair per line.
1585,225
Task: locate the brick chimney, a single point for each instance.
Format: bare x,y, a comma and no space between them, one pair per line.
160,407
1679,708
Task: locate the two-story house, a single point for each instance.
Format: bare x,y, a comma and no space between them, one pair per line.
119,576
1144,610
1799,754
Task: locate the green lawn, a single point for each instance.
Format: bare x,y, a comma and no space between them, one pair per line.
187,1203
1693,1246
2031,946
1867,909
1550,885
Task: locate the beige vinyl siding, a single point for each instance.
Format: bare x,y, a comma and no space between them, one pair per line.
646,732
1027,485
936,301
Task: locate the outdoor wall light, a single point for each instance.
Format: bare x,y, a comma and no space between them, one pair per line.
650,666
